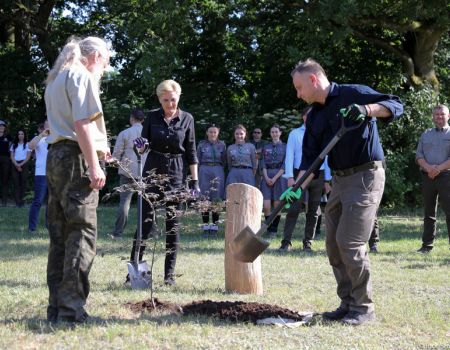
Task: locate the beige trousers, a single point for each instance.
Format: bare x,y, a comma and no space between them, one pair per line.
349,215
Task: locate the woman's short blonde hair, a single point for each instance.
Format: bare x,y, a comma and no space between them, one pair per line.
168,86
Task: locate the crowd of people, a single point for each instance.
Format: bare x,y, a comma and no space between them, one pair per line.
72,145
15,156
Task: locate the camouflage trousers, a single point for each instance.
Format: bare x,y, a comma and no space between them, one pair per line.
72,225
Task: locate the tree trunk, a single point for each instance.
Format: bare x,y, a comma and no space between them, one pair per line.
244,207
421,46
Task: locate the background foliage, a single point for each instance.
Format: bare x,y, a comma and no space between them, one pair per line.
233,59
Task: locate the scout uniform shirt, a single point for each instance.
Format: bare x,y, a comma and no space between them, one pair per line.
241,160
75,96
273,155
212,158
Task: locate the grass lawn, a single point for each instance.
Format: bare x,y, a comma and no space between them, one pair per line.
411,293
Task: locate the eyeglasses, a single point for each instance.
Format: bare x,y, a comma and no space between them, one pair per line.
257,132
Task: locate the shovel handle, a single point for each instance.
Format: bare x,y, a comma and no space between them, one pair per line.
136,152
306,178
138,244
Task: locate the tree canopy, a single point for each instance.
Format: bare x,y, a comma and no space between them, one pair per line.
233,57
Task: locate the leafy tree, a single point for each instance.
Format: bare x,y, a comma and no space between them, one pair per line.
410,30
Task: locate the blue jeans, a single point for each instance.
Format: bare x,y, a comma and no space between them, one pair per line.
40,193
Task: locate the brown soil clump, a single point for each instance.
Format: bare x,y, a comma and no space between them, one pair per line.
148,305
234,311
239,311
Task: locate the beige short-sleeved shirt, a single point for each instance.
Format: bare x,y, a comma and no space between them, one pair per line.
72,96
123,150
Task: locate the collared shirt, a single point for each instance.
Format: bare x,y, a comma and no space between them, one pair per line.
21,152
357,146
176,137
294,152
259,144
273,155
212,152
123,150
73,96
434,146
241,155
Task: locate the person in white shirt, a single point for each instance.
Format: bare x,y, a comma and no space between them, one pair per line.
313,193
128,168
20,155
40,147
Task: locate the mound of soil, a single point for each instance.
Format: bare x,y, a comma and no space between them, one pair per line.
148,305
239,311
234,311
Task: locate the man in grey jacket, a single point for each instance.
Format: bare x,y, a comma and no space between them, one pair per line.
128,168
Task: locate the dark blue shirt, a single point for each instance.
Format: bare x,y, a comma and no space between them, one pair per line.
357,146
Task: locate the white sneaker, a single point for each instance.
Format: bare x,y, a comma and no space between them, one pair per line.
206,227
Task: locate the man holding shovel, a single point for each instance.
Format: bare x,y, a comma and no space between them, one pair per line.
358,181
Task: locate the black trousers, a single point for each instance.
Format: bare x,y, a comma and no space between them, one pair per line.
148,222
20,179
432,190
5,166
315,189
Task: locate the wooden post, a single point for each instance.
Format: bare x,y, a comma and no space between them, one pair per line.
244,207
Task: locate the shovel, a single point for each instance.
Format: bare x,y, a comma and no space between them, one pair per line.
140,277
247,245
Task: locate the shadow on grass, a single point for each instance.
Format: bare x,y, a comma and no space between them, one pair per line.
414,260
38,325
22,247
42,326
16,284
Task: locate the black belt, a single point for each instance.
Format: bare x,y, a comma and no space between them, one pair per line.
242,167
64,142
211,164
376,164
274,166
168,155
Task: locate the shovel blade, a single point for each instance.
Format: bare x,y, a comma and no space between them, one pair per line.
247,246
140,277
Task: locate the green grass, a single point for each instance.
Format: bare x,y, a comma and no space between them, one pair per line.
411,293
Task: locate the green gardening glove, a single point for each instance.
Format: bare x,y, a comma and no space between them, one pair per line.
354,112
290,196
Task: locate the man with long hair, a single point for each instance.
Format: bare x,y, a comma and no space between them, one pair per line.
77,141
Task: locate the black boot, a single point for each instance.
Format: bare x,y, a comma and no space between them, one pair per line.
273,228
319,223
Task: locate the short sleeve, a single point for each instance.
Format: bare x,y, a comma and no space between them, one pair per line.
84,95
419,150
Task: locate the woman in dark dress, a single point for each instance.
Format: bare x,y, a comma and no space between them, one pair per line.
171,138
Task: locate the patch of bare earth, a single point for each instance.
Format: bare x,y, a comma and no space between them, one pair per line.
235,311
